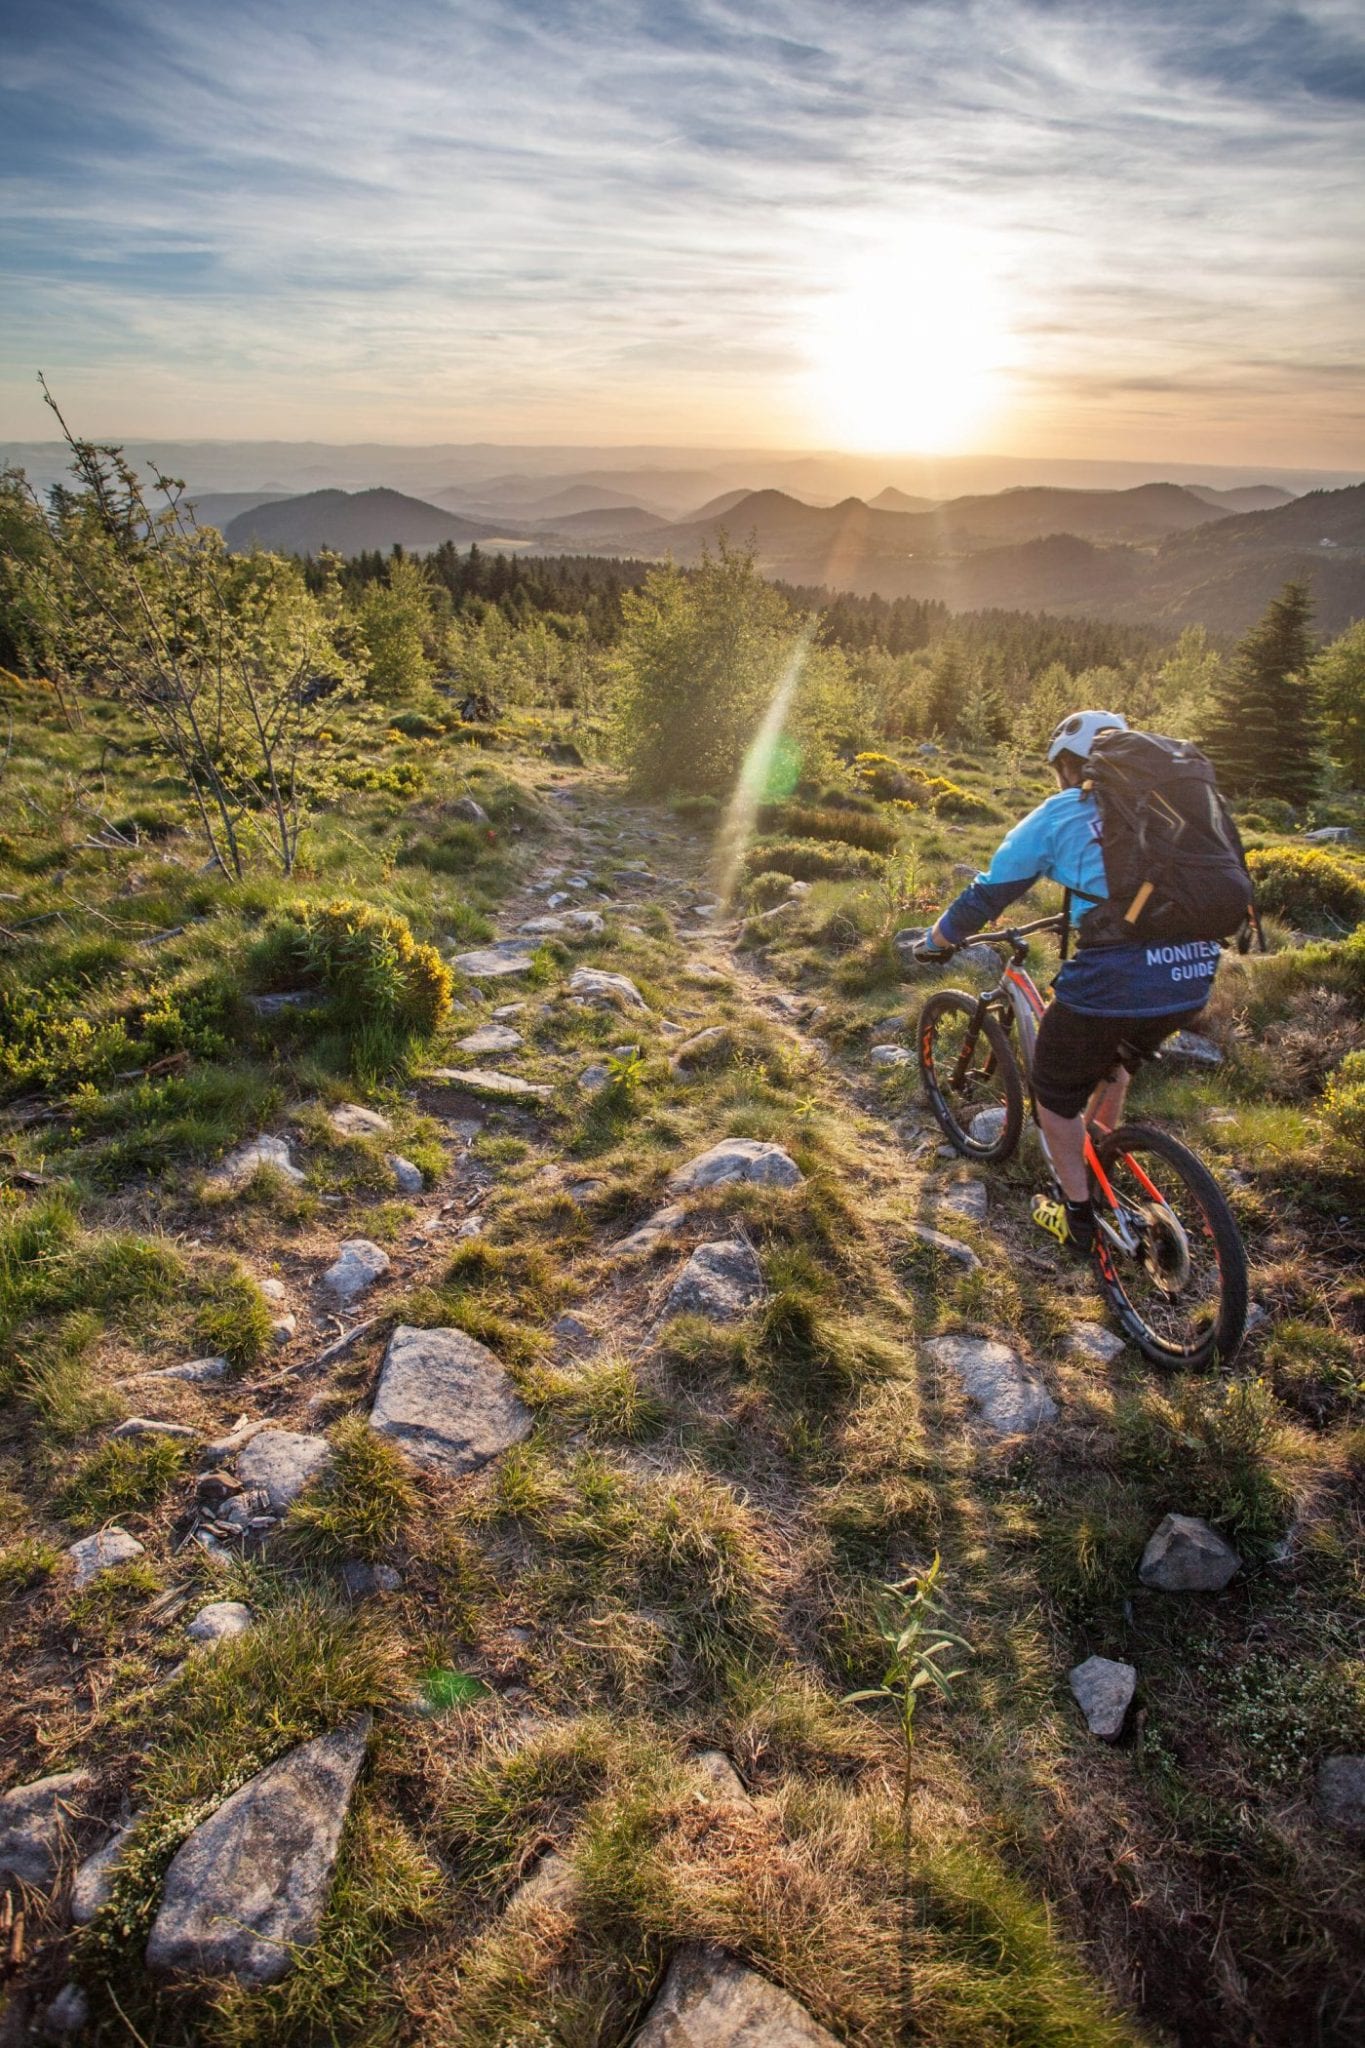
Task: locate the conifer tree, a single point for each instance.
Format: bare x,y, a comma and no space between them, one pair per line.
1264,737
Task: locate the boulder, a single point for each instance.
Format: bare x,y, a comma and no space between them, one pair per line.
1184,1555
506,1010
737,1159
1341,1793
102,1552
250,1885
35,1826
284,1328
94,1881
407,1178
219,1620
491,1038
710,2000
446,1401
258,1152
594,985
357,1266
987,1127
353,1121
1010,1400
488,1082
1329,835
495,962
1103,1691
279,1463
949,1247
721,1280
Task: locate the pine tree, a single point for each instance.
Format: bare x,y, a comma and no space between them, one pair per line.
1264,736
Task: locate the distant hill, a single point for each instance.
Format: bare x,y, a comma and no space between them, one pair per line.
220,508
716,508
352,523
609,522
1033,511
892,500
1244,498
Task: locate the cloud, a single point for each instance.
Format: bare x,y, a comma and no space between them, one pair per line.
606,217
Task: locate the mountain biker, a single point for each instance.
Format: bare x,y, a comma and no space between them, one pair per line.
1108,999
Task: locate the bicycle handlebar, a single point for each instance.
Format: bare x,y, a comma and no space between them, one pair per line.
1013,934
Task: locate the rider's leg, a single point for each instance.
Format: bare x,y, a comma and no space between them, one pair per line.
1066,1146
1105,1112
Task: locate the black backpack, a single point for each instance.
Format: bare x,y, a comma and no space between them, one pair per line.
1173,860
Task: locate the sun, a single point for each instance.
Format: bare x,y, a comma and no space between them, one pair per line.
907,353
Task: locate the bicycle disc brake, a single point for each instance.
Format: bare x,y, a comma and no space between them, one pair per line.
1164,1248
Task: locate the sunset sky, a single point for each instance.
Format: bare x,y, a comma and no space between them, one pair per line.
1130,229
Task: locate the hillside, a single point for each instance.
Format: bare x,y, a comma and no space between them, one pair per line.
610,522
220,508
1244,497
352,523
892,500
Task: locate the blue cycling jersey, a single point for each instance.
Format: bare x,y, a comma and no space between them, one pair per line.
1060,842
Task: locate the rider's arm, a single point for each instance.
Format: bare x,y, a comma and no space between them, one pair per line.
1022,858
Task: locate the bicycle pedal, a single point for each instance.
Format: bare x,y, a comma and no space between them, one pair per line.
1050,1216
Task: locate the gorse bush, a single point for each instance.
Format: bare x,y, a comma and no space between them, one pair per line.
852,828
806,860
1309,887
1343,1105
365,960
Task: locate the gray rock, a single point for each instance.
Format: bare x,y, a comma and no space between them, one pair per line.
722,1280
1341,1793
596,986
362,1581
737,1159
700,1047
595,1078
1103,1691
488,1082
1329,835
551,1887
492,1038
1193,1048
250,1885
195,1372
726,1783
647,1234
967,1198
1092,1340
468,811
994,1377
357,1266
219,1620
446,1401
258,1152
891,1056
700,975
149,1425
94,1881
279,1463
987,1127
35,1826
102,1552
709,2000
572,1334
67,2015
496,962
288,999
1184,1555
274,1290
284,1329
353,1121
567,924
949,1247
407,1177
506,1010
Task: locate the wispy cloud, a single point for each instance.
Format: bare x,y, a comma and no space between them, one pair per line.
619,219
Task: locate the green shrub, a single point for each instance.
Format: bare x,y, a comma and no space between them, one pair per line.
1343,1105
125,1473
361,1505
233,1321
806,860
1314,1368
1315,890
851,828
366,960
1207,1451
767,888
457,849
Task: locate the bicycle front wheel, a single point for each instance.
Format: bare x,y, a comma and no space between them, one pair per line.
1178,1282
970,1076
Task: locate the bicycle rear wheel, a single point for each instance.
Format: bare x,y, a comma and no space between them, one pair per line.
1179,1288
970,1076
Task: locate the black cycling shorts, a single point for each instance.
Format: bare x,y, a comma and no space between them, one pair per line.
1076,1051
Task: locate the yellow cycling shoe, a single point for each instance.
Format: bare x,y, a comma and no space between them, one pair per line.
1071,1223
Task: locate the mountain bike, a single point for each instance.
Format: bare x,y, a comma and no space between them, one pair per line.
1168,1255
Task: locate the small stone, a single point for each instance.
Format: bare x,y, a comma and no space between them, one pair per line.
353,1121
407,1178
1193,1048
1184,1555
506,1010
571,1333
494,963
710,2000
195,1371
1092,1340
250,1885
722,1280
1011,1401
219,1620
966,1198
1329,835
358,1265
700,1049
94,1881
469,811
550,1887
274,1290
1341,1793
725,1779
445,1400
102,1552
595,1078
987,1127
747,1159
279,1463
487,1081
287,999
35,1826
258,1152
150,1425
699,975
67,2014
891,1056
284,1329
595,986
950,1247
1103,1691
647,1234
571,924
492,1038
471,1227
362,1581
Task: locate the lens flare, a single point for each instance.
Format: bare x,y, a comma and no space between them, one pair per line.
771,769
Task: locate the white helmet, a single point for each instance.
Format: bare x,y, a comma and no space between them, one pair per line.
1077,734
